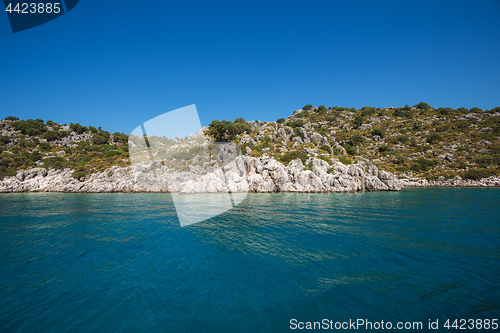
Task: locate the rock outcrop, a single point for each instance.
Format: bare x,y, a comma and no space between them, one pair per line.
242,174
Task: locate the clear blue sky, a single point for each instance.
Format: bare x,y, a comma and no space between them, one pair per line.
116,64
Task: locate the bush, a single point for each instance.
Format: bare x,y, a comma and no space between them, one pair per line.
477,174
400,159
351,150
403,138
295,123
383,148
53,135
101,137
367,110
326,148
475,109
292,155
113,152
34,127
299,132
281,120
79,174
345,160
401,113
432,138
307,107
378,131
77,128
358,121
422,165
11,118
321,109
44,146
226,130
355,140
423,106
120,137
4,140
55,162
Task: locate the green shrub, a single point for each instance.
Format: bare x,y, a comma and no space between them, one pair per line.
367,110
281,120
400,159
326,148
307,107
120,137
12,118
432,138
423,106
321,109
378,131
299,132
403,138
30,127
351,150
422,164
309,166
44,146
355,140
4,140
477,174
345,160
330,171
113,152
292,155
101,137
6,172
383,148
402,169
77,128
295,123
358,121
79,174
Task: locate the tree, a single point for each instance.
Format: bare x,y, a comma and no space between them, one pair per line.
281,120
422,106
79,129
321,109
475,109
358,121
367,110
11,118
307,107
101,137
120,137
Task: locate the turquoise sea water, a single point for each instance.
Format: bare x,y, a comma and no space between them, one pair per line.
122,263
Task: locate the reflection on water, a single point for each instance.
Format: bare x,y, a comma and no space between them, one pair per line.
121,262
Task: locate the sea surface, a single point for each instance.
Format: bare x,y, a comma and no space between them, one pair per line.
122,263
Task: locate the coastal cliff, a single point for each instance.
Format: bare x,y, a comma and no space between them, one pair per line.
315,149
244,174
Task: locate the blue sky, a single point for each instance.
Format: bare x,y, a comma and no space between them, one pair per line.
117,64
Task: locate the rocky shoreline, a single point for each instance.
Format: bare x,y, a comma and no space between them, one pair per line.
244,174
457,181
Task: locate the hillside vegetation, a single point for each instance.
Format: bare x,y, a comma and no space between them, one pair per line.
419,141
25,144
